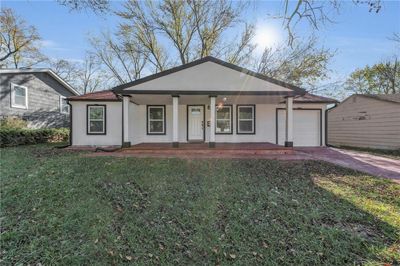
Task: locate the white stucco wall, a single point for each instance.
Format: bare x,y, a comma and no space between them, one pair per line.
265,124
113,134
209,76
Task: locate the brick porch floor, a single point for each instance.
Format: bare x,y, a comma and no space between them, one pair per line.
204,146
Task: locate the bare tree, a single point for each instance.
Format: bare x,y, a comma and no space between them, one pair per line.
194,29
19,42
67,70
97,6
90,76
86,76
122,59
316,13
303,64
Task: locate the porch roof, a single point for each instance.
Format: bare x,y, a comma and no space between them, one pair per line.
109,95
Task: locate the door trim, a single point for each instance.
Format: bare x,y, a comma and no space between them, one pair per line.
305,109
204,121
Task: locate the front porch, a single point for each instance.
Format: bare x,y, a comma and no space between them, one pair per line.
187,121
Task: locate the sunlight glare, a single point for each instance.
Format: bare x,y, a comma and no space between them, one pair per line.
266,37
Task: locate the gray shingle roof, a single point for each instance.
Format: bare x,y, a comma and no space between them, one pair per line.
384,97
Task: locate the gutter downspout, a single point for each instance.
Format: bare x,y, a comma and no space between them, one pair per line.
70,123
326,124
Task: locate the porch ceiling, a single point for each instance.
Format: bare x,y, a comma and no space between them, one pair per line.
204,99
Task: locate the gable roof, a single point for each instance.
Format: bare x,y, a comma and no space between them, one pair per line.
107,95
40,70
121,88
395,98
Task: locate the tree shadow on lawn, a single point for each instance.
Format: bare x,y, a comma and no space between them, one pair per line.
245,212
78,210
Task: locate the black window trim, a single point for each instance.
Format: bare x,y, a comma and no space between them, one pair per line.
237,119
216,119
87,119
147,120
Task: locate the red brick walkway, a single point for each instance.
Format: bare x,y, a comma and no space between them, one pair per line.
364,162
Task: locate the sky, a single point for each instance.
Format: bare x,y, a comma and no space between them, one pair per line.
358,36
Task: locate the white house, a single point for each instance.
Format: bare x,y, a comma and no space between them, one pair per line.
207,100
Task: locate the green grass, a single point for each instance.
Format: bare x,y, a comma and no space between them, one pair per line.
60,207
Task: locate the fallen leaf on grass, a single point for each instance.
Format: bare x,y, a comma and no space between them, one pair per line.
96,241
233,256
128,258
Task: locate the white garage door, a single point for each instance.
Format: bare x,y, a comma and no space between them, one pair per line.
306,127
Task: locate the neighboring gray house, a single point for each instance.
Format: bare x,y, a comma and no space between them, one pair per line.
36,95
367,121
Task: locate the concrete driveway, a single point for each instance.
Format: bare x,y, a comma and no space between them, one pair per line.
364,162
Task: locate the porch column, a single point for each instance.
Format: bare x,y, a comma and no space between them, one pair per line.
289,122
211,142
175,123
125,121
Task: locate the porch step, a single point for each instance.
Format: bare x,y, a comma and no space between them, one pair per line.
207,151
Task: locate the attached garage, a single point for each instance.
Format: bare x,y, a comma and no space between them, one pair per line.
307,127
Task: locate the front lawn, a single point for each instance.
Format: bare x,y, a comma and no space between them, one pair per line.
60,207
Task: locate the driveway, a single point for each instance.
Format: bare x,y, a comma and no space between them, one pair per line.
364,162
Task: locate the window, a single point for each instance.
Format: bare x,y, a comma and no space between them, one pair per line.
246,119
156,119
96,118
19,96
64,107
224,120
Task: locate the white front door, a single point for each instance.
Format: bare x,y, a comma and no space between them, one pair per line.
195,123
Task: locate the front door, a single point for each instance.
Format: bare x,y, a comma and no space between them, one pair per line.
195,123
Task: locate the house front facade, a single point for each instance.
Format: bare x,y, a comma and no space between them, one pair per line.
207,100
38,96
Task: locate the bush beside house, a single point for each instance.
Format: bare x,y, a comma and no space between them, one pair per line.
13,132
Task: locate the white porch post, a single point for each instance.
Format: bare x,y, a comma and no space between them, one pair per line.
125,121
289,122
211,142
175,119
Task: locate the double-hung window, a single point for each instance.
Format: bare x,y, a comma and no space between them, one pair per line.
19,96
64,107
156,119
246,119
96,118
224,120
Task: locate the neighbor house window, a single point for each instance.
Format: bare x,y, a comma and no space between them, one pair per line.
156,119
19,96
64,107
246,119
224,120
96,118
